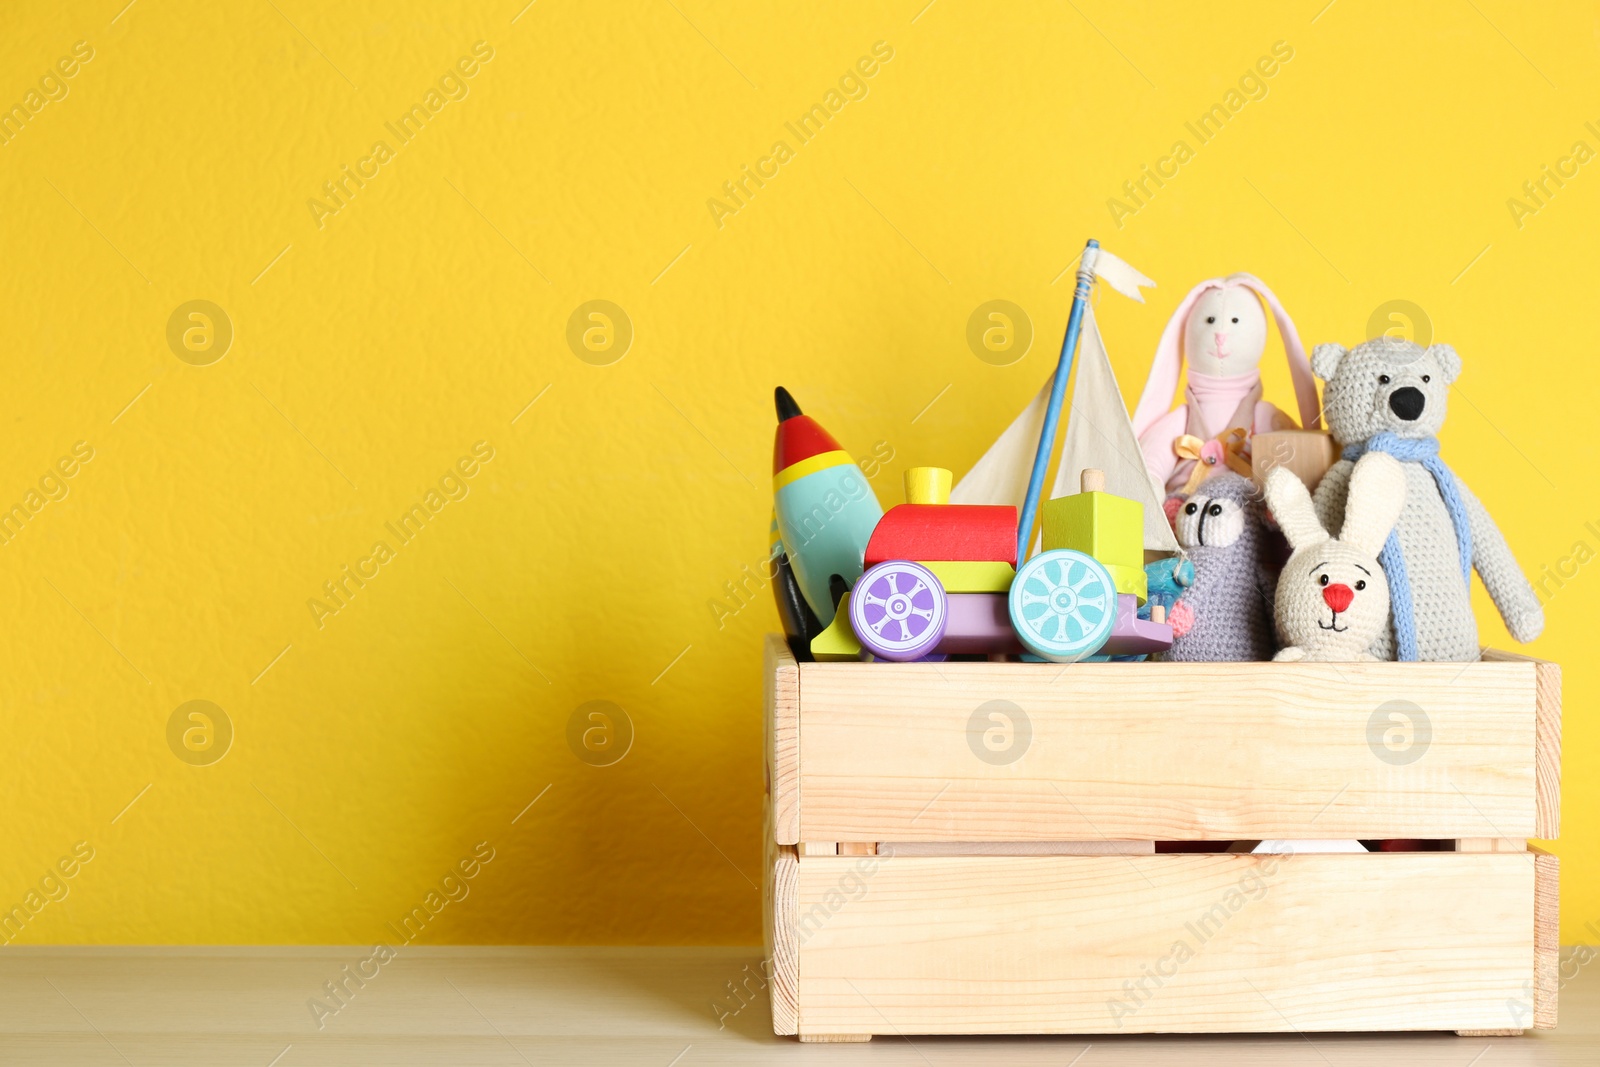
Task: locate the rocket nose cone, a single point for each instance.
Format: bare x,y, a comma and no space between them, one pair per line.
787,408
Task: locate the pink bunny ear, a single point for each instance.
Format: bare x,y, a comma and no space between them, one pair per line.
1305,387
1162,384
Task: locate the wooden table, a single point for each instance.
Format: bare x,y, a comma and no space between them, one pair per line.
595,1007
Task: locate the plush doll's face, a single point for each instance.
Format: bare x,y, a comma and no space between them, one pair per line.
1345,587
1207,523
1215,515
1226,332
1385,385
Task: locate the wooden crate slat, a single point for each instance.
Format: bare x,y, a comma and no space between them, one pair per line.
1546,938
782,694
1547,758
1160,751
976,945
780,917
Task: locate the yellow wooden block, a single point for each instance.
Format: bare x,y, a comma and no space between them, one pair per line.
838,641
1130,580
973,576
1108,527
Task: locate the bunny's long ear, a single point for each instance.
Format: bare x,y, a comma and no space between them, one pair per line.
1162,383
1377,495
1290,502
1305,387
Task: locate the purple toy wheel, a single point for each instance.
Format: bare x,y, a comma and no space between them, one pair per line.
898,610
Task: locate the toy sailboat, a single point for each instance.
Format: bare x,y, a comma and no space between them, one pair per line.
1099,434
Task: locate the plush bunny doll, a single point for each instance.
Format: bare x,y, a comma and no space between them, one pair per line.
1220,331
1226,613
1333,598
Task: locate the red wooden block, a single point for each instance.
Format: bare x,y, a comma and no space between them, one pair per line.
945,532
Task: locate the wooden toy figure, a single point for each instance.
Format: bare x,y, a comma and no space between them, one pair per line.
1220,332
825,508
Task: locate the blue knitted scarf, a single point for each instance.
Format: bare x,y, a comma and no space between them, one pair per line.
1424,450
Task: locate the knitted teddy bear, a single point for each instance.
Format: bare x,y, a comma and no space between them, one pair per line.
1226,613
1389,395
1333,600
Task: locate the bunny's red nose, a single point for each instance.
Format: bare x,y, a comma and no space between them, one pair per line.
1338,596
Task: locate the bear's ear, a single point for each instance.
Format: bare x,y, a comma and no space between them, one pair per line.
1449,362
1325,360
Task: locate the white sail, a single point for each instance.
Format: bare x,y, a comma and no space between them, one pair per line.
1098,432
1001,474
1100,436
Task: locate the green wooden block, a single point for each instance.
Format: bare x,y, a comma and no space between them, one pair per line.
1108,527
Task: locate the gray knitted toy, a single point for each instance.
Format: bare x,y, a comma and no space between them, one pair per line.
1390,395
1226,615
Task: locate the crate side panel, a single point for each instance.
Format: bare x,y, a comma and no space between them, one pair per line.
1156,751
1165,943
1546,939
779,910
1547,759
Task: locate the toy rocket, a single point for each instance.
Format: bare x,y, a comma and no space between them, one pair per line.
826,509
800,623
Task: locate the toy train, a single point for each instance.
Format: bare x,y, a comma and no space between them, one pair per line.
942,579
936,575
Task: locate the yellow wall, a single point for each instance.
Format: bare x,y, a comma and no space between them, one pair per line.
375,747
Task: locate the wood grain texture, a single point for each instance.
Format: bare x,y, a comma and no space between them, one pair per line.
780,917
1091,944
782,676
1546,938
1167,751
1547,754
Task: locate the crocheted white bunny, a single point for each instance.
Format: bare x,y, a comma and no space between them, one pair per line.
1333,597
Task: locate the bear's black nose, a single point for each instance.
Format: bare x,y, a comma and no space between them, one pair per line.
1408,403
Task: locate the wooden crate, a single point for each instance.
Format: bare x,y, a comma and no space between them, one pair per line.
937,869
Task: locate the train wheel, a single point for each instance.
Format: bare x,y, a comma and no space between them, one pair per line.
1063,605
898,610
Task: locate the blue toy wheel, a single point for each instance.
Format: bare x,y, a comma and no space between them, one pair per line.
898,610
1063,605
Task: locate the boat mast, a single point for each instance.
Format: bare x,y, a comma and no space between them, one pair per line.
1058,393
